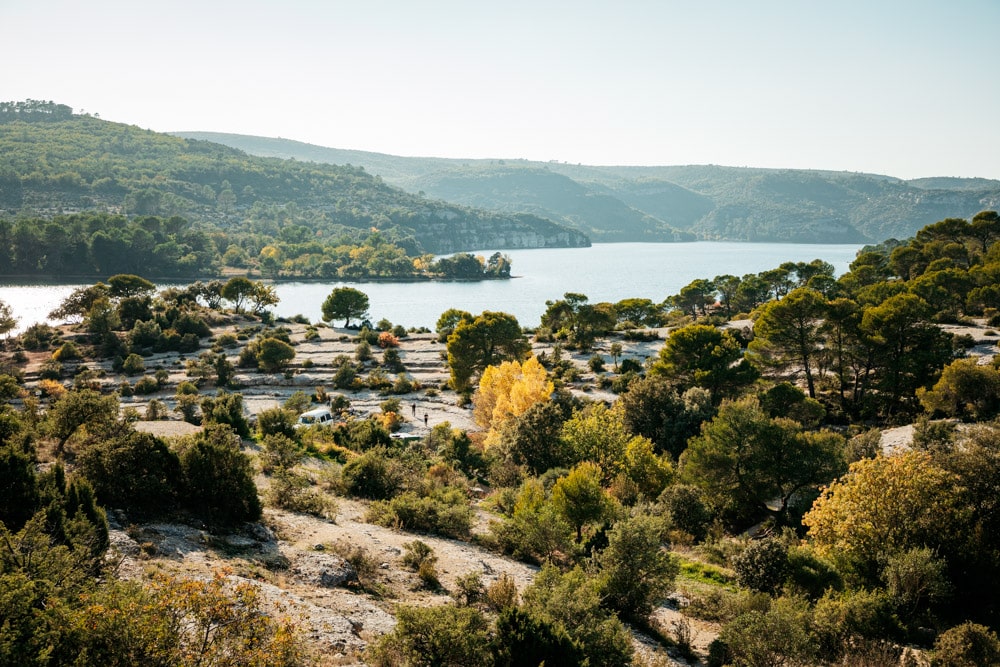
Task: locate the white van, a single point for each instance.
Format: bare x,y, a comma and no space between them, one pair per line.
314,417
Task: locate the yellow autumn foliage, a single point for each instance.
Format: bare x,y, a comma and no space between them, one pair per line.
507,391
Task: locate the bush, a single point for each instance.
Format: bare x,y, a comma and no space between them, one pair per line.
295,492
416,553
279,452
133,365
66,352
444,511
276,421
524,639
373,475
387,340
967,645
147,384
273,354
636,572
762,566
469,589
136,472
777,636
427,636
226,409
51,370
596,363
219,478
38,337
156,410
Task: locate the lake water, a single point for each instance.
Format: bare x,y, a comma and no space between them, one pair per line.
604,272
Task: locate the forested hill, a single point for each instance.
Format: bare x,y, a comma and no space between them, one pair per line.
665,203
55,162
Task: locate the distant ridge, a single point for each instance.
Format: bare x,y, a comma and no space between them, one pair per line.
627,203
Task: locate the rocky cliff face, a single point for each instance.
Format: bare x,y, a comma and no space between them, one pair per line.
441,234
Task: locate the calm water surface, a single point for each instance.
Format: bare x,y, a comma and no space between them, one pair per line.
604,272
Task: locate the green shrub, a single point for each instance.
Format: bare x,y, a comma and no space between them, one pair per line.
762,566
428,636
133,365
444,512
966,645
373,475
137,472
147,384
66,352
279,452
276,421
295,492
416,553
219,478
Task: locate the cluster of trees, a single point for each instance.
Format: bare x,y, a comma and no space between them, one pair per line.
726,429
63,603
89,244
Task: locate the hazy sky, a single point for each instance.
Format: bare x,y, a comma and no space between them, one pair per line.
907,88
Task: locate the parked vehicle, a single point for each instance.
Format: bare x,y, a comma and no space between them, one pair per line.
315,417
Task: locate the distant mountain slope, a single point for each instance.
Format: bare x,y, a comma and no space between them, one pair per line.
63,163
708,201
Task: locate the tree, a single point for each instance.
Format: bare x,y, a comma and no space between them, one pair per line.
694,298
507,391
262,297
78,408
533,438
219,478
699,355
579,497
345,302
743,459
238,290
226,408
124,286
909,349
598,434
652,408
135,471
7,319
485,341
273,354
448,321
883,507
580,321
616,351
966,389
786,334
636,572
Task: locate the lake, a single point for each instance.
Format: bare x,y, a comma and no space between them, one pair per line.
604,272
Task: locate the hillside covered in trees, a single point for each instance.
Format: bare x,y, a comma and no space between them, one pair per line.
56,162
621,203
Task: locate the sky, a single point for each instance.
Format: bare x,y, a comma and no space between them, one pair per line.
903,88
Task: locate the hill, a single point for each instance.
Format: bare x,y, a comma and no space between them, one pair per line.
622,203
56,161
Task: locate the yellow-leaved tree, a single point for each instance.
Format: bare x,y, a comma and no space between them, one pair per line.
507,391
